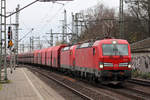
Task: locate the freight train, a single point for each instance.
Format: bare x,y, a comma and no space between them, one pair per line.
106,61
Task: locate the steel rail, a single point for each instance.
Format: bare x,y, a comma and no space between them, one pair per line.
135,94
140,82
85,97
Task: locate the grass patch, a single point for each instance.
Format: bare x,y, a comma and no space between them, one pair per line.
138,74
0,87
5,82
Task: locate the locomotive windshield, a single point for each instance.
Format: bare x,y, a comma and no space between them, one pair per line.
115,49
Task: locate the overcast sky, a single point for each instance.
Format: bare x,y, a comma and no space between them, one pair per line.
44,16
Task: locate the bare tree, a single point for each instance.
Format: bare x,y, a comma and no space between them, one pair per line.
141,10
99,22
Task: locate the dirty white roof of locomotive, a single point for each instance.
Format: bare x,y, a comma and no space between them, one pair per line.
110,41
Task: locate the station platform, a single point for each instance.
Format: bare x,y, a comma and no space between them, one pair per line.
24,85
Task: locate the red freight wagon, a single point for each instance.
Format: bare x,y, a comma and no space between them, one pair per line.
21,58
18,58
29,57
56,55
65,57
36,56
43,56
39,57
49,56
25,57
32,57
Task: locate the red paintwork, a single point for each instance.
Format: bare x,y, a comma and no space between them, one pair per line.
49,56
39,57
30,57
43,56
56,55
84,58
65,57
36,56
68,57
114,59
72,58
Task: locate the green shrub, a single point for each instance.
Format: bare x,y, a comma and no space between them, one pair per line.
145,75
0,86
135,73
138,74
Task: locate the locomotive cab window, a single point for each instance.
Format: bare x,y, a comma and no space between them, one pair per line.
85,45
66,48
117,49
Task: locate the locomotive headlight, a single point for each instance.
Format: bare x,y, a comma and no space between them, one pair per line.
129,66
101,66
114,42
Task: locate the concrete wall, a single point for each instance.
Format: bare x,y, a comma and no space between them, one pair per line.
141,61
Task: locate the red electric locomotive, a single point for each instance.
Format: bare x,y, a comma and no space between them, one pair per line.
107,60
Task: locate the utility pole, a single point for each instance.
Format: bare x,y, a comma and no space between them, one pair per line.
76,24
40,46
74,28
23,47
32,43
72,24
121,19
149,17
3,32
1,44
57,37
63,31
16,37
51,43
17,29
51,37
64,27
65,24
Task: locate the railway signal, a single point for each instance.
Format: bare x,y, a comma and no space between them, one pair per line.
9,32
10,43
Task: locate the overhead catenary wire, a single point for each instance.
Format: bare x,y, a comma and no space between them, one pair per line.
48,21
26,35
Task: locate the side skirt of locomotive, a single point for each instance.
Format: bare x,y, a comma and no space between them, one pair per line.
103,76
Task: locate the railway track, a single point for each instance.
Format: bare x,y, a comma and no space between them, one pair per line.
140,82
96,91
129,92
79,90
132,93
